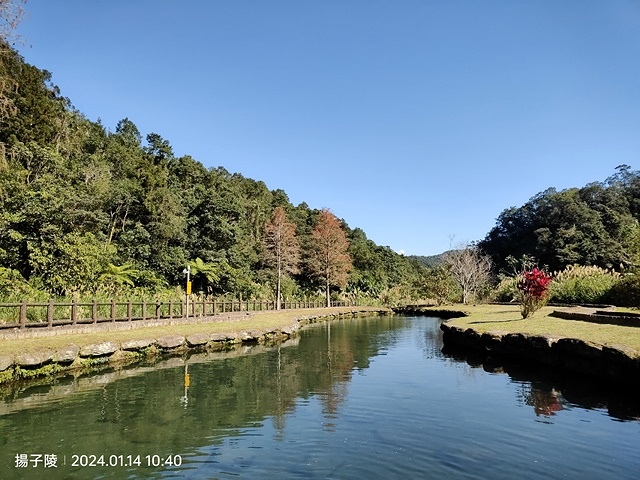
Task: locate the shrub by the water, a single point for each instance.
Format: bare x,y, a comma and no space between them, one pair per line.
533,291
506,290
625,292
583,284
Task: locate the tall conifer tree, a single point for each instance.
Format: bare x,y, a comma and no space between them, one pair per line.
329,260
282,250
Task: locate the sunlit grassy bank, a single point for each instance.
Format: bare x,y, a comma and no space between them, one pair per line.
264,321
507,319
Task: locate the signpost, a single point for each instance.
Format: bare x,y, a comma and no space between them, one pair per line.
187,272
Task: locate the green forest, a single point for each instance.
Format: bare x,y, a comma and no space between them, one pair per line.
86,211
588,238
593,225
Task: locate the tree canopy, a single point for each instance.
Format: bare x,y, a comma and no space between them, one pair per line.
329,261
593,225
84,209
281,248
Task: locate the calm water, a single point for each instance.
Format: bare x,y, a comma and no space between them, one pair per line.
365,398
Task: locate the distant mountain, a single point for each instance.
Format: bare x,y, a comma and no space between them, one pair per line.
430,260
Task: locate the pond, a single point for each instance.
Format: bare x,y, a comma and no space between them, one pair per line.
363,398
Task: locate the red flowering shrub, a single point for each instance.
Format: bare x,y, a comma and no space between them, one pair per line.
533,288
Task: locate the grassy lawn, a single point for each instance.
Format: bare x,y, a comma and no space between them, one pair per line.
256,321
507,318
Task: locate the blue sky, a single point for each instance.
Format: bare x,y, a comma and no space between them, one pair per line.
413,120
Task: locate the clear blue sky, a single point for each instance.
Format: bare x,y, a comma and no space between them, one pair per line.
414,120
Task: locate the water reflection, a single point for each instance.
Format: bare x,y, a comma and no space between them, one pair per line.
545,402
180,404
550,391
363,398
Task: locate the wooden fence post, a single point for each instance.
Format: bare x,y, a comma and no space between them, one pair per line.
113,310
144,309
74,312
23,314
50,313
94,311
130,311
170,309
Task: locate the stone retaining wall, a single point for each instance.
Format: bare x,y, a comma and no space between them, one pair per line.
611,318
616,362
72,357
428,311
88,380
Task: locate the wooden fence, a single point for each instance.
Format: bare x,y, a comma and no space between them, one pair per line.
38,315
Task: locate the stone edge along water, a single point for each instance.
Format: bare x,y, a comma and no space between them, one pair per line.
615,362
110,354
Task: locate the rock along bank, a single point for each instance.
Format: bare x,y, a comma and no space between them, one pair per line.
617,363
108,354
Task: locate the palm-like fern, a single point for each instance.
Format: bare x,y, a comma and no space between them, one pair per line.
117,276
204,273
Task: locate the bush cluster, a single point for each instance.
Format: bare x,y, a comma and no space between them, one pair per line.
533,291
506,290
583,284
625,292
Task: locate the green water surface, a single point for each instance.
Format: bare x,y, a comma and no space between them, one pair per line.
363,398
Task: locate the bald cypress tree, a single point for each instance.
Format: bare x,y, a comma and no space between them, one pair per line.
329,260
282,250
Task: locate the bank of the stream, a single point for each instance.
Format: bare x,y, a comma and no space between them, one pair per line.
603,350
26,355
495,331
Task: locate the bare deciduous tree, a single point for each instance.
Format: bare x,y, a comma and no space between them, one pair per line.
470,267
282,250
11,12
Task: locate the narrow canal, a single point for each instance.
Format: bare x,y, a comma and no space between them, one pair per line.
363,398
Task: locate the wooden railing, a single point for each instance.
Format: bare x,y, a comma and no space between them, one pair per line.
37,315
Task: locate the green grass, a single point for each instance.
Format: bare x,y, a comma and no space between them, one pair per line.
507,318
256,321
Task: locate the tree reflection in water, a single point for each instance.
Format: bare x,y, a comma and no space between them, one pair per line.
546,401
550,390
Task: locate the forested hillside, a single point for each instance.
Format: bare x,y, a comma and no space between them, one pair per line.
429,260
85,210
593,225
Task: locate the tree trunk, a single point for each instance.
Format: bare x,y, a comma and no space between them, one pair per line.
328,297
278,288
